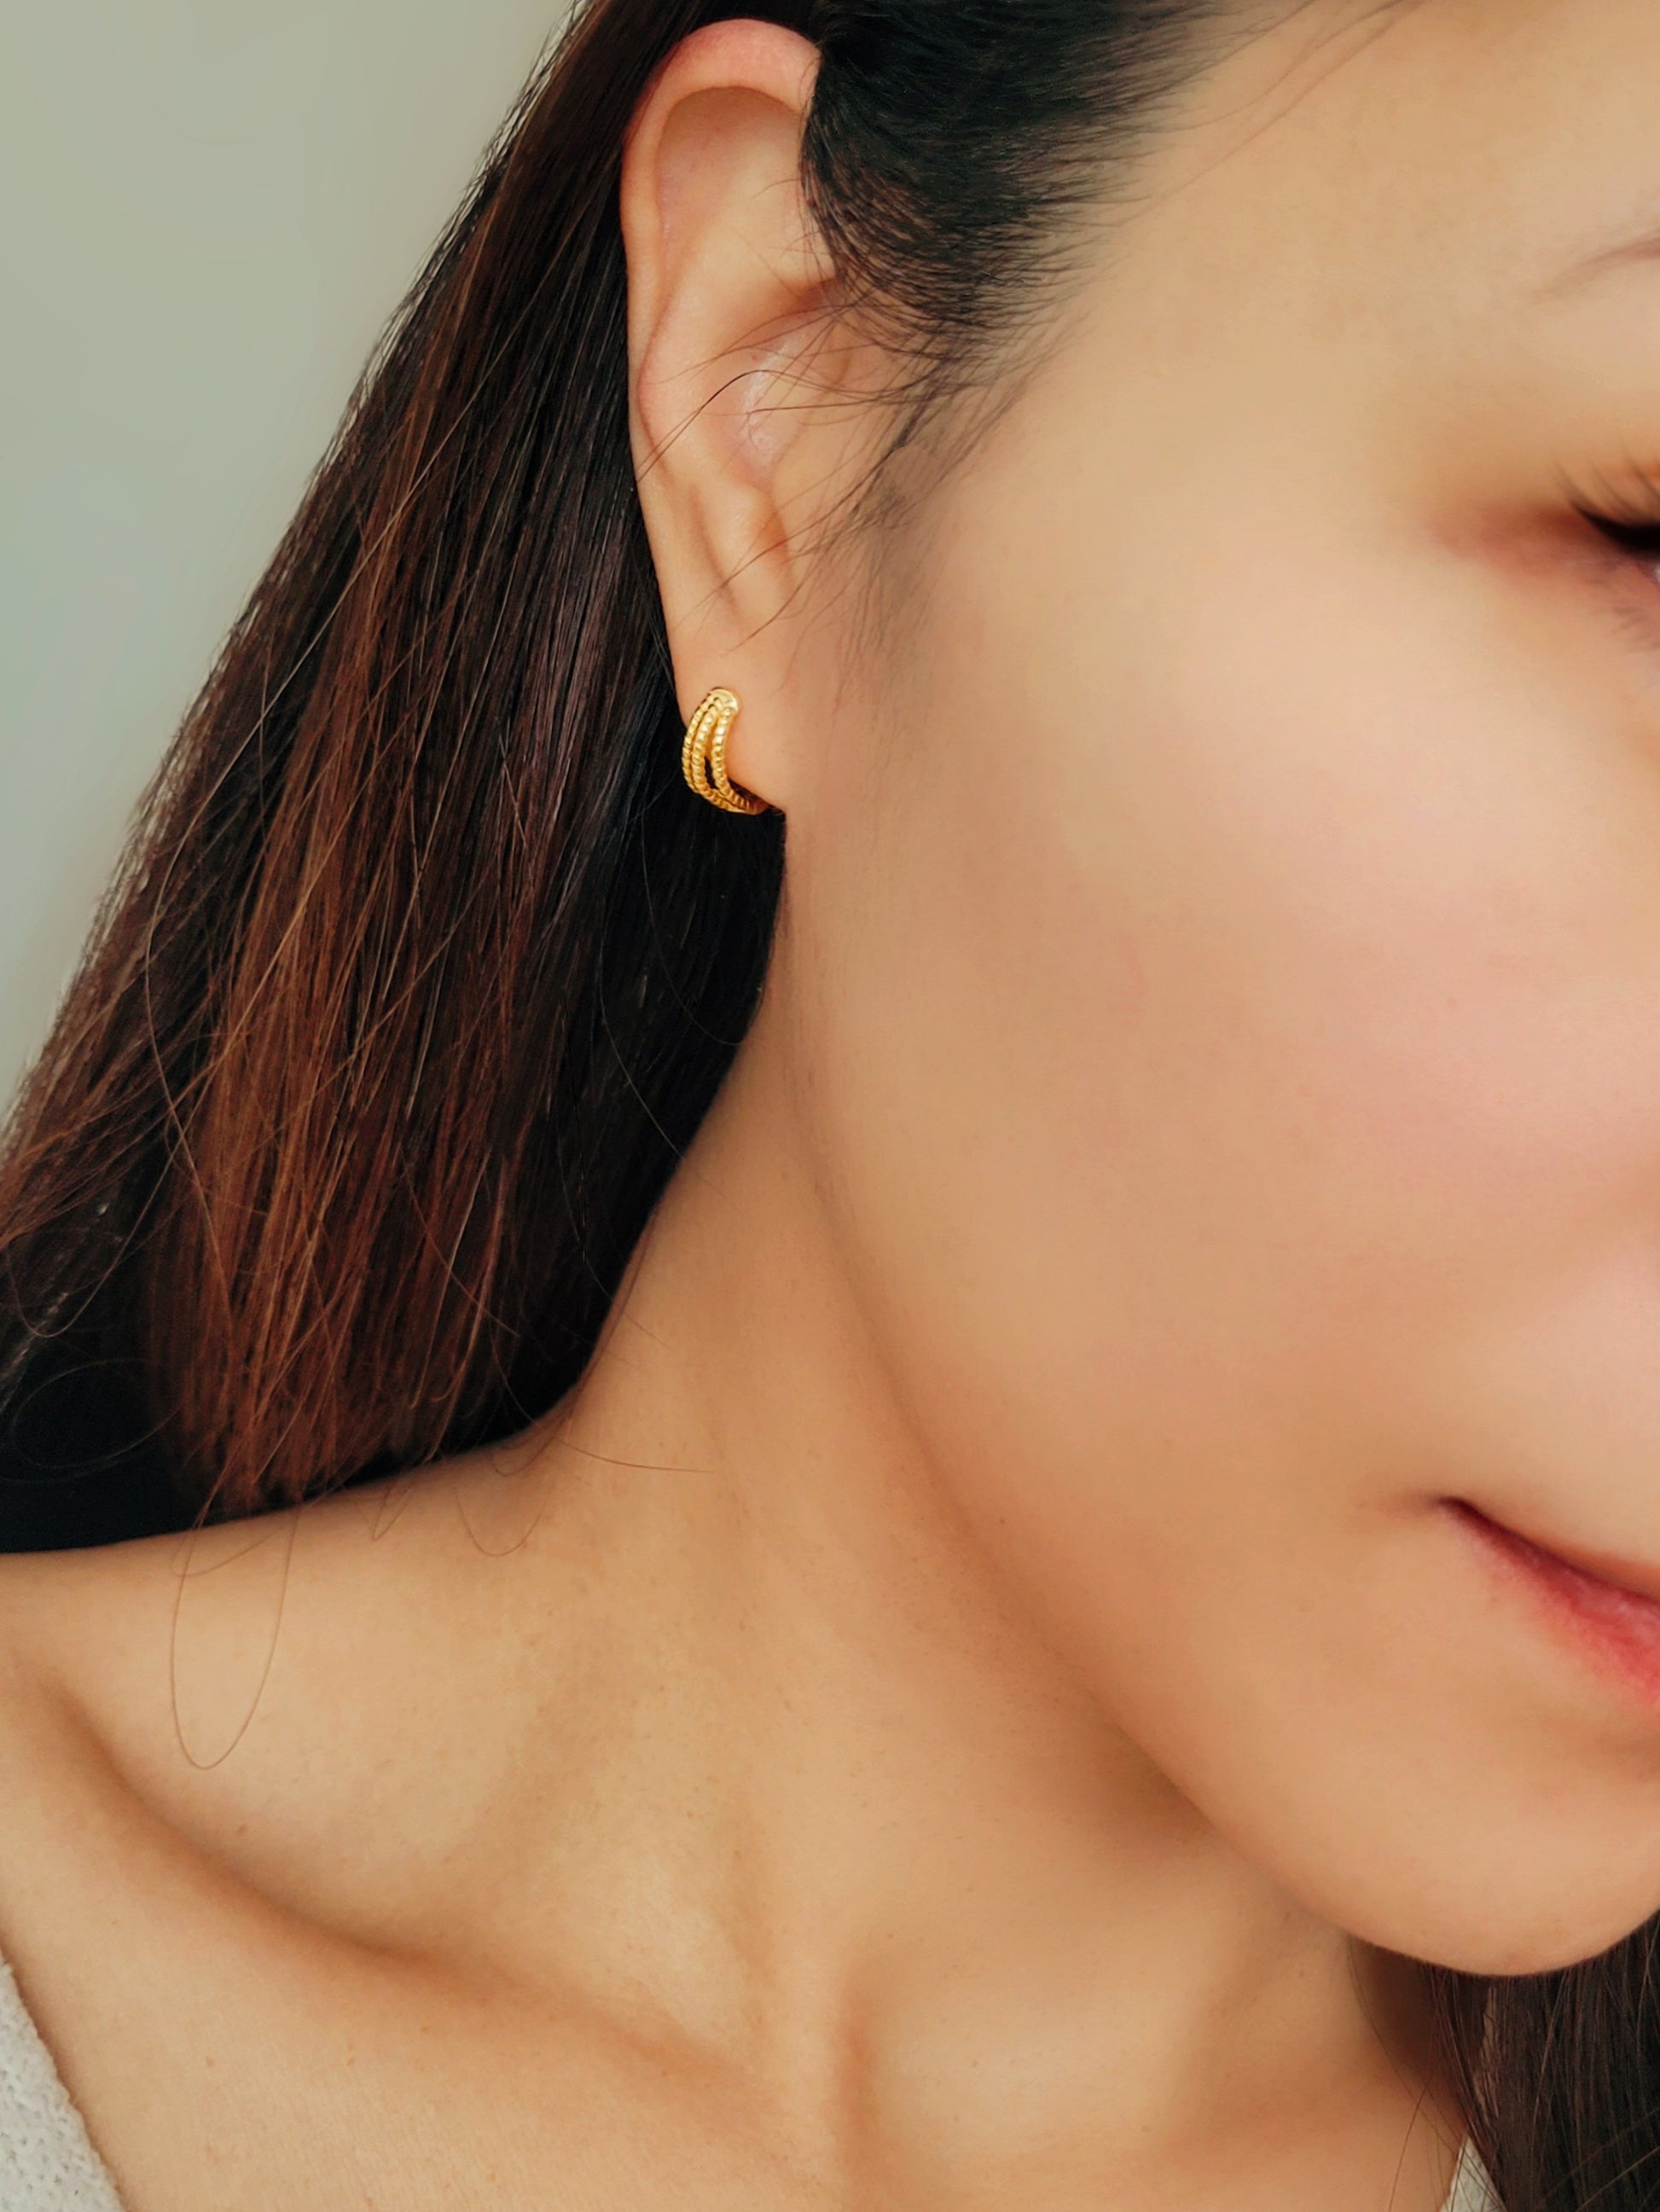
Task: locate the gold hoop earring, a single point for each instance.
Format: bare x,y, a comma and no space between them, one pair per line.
703,755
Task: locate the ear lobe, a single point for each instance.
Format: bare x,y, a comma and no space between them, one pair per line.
728,298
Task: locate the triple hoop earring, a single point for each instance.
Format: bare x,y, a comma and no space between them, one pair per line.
703,755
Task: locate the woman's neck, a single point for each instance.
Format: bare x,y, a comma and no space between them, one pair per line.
850,1817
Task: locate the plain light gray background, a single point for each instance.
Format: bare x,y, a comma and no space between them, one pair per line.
210,208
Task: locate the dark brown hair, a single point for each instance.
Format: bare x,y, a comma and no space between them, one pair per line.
423,967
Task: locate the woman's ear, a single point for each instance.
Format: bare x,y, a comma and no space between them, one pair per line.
739,443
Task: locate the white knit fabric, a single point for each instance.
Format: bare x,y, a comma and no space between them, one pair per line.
46,2163
1472,2191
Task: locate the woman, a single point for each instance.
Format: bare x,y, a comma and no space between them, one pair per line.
923,1477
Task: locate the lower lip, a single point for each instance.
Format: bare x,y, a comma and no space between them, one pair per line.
1617,1629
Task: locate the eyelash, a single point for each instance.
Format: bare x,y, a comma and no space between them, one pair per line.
1629,520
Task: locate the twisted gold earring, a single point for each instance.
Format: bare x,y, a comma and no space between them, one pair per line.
703,755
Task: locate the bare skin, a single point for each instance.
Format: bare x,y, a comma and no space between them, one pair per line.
976,1695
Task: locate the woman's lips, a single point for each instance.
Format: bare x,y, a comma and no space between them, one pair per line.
1610,1609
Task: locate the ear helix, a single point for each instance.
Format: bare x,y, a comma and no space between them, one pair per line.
703,755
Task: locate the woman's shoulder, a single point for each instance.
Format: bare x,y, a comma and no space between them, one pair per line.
65,1620
257,1688
83,1697
108,1624
154,1648
74,1624
129,1670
